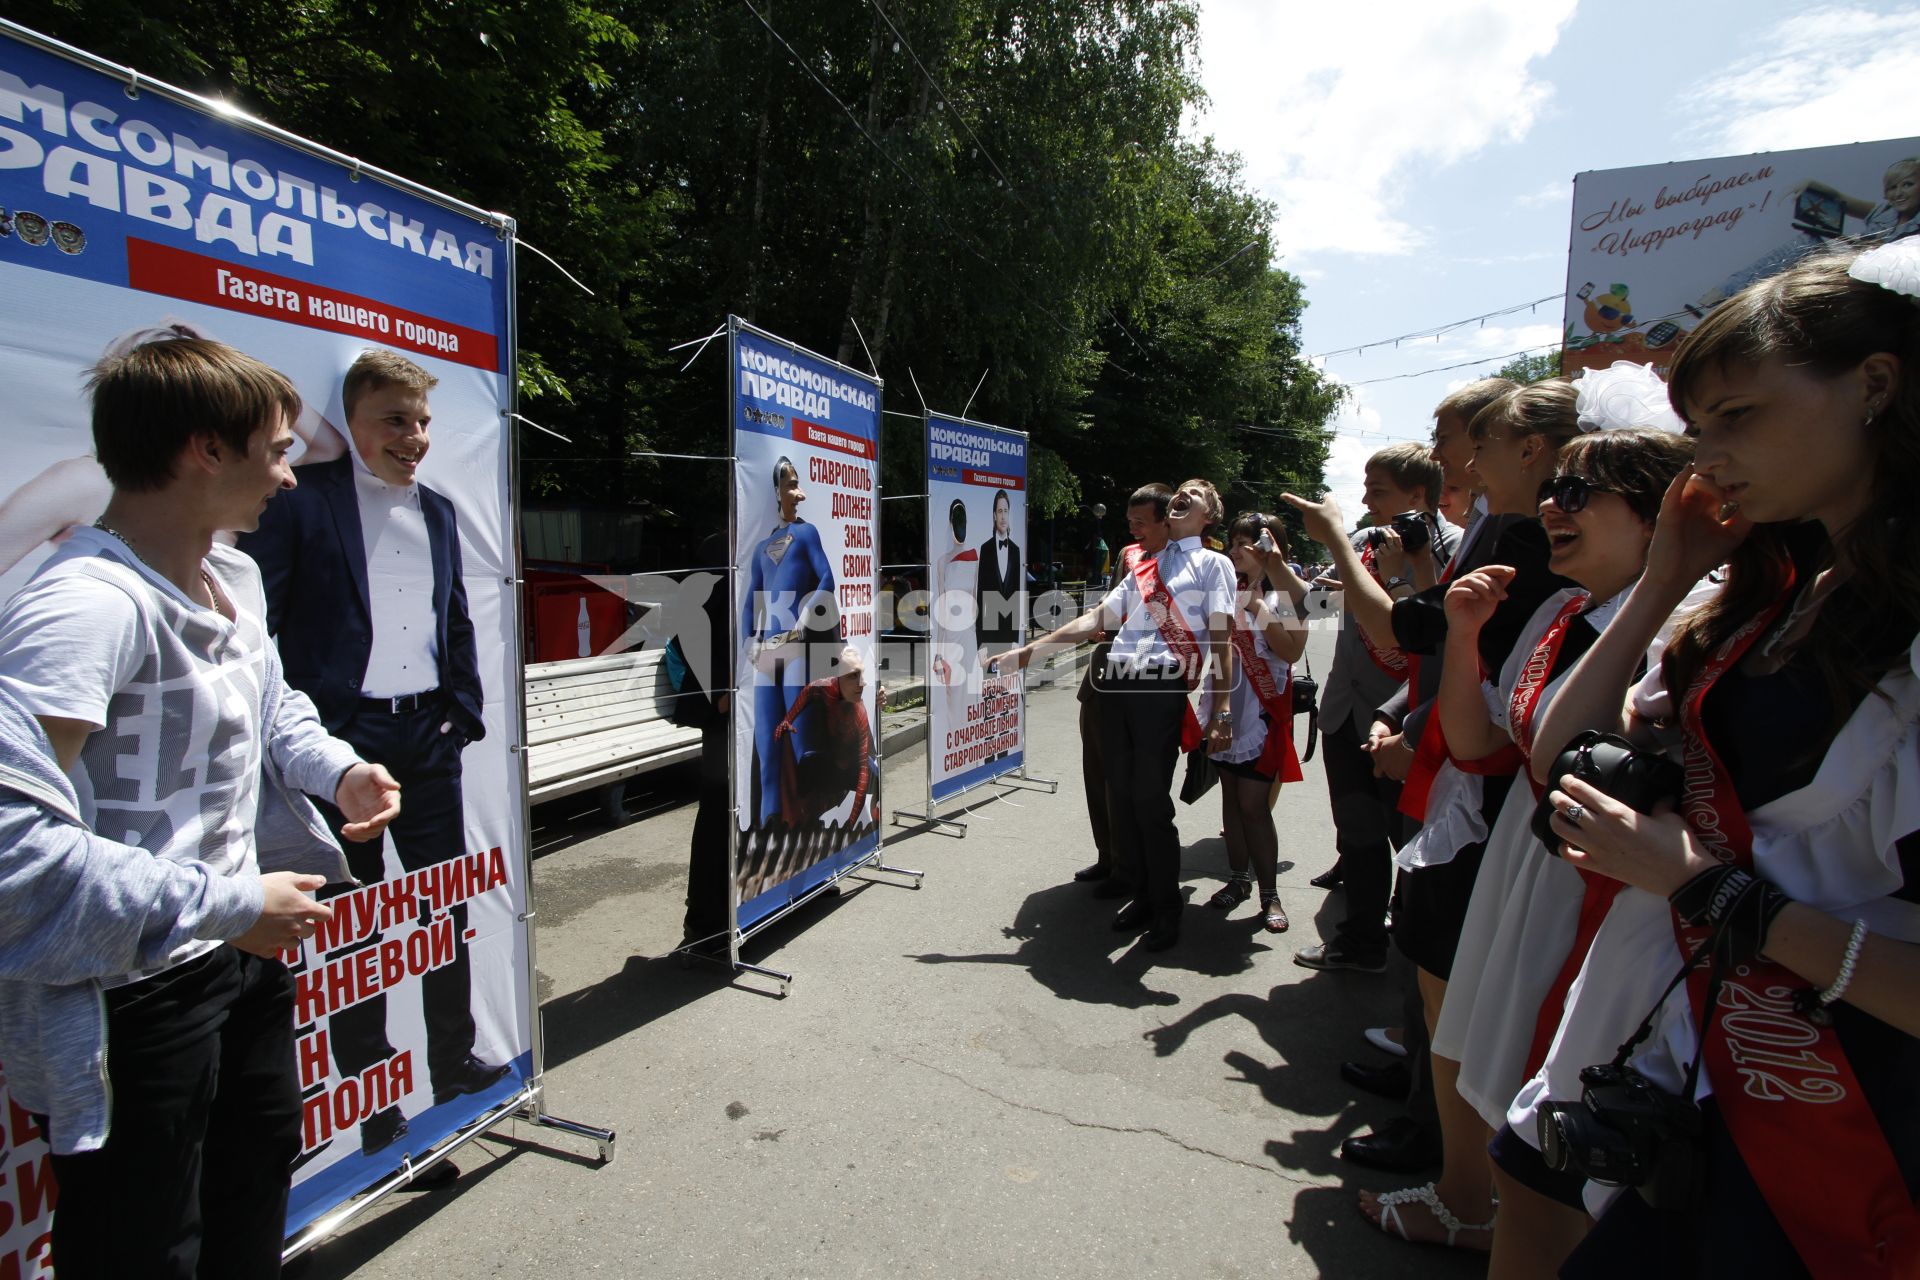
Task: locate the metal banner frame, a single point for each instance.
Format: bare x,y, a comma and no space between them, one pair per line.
1016,778
528,1103
870,861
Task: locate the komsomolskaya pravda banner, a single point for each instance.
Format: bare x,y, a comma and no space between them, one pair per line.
1656,247
976,535
125,220
806,448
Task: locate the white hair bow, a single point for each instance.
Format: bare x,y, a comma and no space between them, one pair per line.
1623,395
1894,266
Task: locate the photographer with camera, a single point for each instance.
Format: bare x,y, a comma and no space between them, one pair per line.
1791,868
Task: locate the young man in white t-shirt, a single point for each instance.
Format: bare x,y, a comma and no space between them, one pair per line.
140,647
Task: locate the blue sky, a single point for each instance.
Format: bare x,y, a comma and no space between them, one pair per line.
1422,155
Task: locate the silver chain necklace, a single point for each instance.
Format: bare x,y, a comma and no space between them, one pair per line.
1815,594
213,592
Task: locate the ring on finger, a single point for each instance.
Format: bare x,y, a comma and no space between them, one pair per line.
1573,813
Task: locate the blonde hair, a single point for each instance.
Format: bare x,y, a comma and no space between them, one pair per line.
378,368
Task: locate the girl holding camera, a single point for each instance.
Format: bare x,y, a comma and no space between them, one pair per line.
1267,639
1791,867
1529,912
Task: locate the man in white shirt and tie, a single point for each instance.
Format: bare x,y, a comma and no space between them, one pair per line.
1174,616
365,597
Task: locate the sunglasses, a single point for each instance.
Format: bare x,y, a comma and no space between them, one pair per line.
1570,493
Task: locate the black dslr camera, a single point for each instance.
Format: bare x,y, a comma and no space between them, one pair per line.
1608,763
1628,1132
1412,528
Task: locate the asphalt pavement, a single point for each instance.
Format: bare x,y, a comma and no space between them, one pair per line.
978,1078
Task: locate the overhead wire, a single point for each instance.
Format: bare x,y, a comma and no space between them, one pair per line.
1436,331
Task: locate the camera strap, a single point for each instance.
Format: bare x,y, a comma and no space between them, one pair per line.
1708,948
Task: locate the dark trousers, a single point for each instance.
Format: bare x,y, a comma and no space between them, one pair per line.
1365,827
204,1128
1142,749
707,903
1421,1106
426,763
1093,776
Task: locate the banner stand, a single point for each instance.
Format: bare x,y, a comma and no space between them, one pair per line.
735,328
296,166
963,454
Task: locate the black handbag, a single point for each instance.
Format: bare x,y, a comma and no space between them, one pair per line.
1306,701
1200,776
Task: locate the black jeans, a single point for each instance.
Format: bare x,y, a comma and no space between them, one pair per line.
1093,776
428,830
1142,727
204,1128
1365,828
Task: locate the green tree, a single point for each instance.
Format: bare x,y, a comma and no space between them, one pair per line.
1533,368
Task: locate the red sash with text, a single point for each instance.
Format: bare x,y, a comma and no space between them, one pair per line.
1277,757
1391,661
1179,640
1432,752
1782,1080
1598,891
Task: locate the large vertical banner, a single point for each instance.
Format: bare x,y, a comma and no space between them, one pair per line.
806,526
130,219
1656,247
976,529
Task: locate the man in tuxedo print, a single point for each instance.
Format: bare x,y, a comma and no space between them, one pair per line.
362,573
997,593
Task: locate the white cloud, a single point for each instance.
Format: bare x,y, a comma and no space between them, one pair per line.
1821,78
1340,109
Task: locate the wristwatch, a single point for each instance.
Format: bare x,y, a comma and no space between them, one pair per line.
1223,717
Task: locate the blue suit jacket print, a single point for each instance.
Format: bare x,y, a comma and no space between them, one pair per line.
313,564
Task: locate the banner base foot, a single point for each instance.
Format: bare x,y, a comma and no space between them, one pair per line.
945,826
918,877
603,1138
1021,782
784,979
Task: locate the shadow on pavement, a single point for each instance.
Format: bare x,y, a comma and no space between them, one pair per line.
1063,938
650,987
401,1213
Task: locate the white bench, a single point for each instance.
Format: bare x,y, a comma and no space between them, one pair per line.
593,723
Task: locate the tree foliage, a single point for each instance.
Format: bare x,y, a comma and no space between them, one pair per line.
1534,368
950,188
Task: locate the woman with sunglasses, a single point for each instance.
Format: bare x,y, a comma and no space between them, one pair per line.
1525,918
1268,639
1516,441
1791,867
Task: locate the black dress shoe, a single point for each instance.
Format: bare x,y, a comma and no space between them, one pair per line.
471,1076
1111,887
381,1130
1328,879
1390,1081
1164,934
1098,871
1136,915
1401,1147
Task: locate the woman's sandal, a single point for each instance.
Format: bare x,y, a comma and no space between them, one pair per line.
1231,894
1273,917
1427,1197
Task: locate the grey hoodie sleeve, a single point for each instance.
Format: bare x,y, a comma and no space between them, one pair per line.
310,759
74,906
